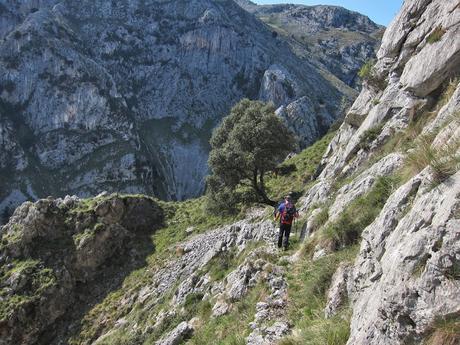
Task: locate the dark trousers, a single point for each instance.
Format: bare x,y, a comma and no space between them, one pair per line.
285,230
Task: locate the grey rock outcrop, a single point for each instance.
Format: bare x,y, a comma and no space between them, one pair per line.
177,335
363,183
393,103
405,274
402,281
337,295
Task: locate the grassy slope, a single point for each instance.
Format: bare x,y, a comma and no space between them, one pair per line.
180,216
303,165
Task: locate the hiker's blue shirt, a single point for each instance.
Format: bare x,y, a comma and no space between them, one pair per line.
282,206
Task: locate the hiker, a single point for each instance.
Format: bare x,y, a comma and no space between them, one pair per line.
286,211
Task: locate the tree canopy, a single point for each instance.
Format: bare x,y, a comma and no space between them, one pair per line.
250,142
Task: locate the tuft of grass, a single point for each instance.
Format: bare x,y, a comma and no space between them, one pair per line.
221,265
448,92
368,137
445,331
230,329
366,70
420,266
347,229
436,35
312,279
321,218
367,73
444,161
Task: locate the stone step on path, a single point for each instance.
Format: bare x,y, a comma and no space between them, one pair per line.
271,322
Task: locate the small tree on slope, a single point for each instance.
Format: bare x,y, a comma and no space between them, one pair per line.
250,142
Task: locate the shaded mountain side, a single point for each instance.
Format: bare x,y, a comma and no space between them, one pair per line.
123,97
333,38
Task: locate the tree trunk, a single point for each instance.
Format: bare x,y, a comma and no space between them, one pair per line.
260,189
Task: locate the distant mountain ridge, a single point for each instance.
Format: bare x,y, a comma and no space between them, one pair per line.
332,37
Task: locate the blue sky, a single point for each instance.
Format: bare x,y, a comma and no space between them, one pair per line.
380,11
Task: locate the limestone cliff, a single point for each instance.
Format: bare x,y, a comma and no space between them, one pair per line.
123,96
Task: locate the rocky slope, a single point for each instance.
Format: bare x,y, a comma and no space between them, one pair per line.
381,257
58,255
97,96
333,38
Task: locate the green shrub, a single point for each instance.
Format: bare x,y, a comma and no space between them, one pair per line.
367,73
436,35
366,70
368,137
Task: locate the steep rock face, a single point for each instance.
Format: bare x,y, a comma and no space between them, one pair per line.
394,105
406,276
403,280
100,96
332,37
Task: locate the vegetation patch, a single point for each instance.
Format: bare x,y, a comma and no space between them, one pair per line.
368,137
436,35
443,161
250,142
420,266
192,215
321,218
308,283
347,229
11,237
31,280
231,329
445,331
367,72
303,167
